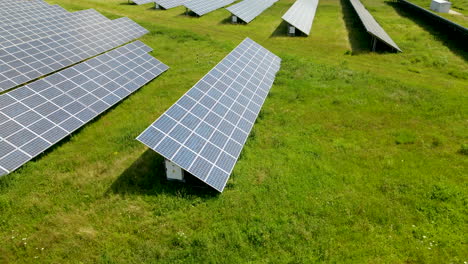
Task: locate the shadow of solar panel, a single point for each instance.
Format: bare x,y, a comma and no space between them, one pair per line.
247,10
371,25
52,53
201,7
206,129
38,115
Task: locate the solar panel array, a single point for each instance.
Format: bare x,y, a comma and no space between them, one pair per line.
201,7
301,15
17,16
247,10
44,27
167,4
36,116
371,25
21,4
30,60
37,39
206,129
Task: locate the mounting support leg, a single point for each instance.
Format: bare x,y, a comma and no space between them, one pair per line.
374,43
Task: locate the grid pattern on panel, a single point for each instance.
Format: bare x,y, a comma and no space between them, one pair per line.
206,129
247,10
30,14
36,58
167,4
38,115
142,2
371,24
46,27
301,15
14,5
201,7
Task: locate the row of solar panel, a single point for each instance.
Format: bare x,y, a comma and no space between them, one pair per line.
246,10
300,16
204,132
37,39
36,116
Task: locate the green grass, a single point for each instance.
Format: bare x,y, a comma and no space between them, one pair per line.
356,157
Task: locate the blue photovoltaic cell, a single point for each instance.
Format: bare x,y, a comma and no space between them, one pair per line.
39,57
39,114
206,129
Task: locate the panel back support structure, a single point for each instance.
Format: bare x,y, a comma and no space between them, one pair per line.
204,132
300,16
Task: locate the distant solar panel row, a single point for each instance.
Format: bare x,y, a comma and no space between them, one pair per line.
33,59
301,15
167,4
371,25
20,16
38,115
202,7
247,10
206,129
37,29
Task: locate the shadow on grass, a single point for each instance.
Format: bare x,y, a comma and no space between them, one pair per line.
358,37
128,3
455,42
281,30
147,176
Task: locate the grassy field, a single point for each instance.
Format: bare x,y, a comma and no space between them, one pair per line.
356,157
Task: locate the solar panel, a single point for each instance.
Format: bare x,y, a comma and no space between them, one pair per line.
40,114
36,58
201,7
247,10
372,27
142,2
301,15
206,129
11,5
9,18
36,29
167,4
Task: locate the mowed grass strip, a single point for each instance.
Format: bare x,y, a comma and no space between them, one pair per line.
356,156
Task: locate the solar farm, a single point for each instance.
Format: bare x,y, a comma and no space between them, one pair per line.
224,131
